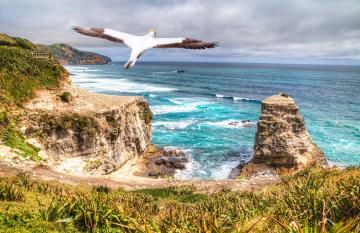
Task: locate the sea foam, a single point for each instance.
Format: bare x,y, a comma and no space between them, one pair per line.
180,105
231,124
235,98
173,125
93,82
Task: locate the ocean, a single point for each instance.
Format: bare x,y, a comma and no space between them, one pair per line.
210,109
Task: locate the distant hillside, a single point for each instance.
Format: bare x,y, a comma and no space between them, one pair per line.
68,55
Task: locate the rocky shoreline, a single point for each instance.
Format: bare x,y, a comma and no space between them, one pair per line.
56,131
147,165
282,142
159,162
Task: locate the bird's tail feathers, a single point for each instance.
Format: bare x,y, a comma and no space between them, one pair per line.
130,64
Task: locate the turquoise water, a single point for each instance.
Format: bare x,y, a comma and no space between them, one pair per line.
192,110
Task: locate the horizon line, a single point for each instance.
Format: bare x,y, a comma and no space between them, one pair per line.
240,62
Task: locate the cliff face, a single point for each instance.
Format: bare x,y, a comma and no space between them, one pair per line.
97,132
68,55
44,119
282,140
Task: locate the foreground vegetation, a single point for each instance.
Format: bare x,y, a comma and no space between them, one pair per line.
314,200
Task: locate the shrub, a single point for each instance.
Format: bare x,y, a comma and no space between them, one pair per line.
4,118
147,116
101,189
110,119
66,97
23,43
9,192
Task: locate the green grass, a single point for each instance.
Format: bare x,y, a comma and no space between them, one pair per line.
85,125
15,139
314,200
10,192
21,74
178,193
6,40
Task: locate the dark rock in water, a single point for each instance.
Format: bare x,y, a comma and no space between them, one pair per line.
160,162
172,162
235,172
181,154
243,153
242,156
170,153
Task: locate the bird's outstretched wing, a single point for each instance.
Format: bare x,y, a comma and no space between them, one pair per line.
185,43
107,34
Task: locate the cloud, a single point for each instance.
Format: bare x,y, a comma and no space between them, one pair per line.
321,29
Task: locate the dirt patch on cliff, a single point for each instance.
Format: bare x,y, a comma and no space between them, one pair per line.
82,101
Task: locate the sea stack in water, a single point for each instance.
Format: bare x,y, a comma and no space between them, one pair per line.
281,138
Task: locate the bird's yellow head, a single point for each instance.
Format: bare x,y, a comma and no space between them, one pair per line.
152,32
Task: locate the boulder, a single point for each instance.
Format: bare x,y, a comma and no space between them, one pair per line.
163,163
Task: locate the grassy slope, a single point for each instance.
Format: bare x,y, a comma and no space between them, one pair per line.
314,200
20,76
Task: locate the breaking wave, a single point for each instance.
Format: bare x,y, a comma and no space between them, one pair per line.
235,98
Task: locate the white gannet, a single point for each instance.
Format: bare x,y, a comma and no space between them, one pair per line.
139,44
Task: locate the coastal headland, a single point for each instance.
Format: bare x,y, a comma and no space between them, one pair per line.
81,136
75,161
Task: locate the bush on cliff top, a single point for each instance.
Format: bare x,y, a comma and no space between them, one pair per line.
66,97
314,200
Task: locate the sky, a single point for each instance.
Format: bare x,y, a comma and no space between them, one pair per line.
275,31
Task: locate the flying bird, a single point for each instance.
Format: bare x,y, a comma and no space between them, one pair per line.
139,44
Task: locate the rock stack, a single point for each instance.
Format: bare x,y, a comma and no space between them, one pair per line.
282,141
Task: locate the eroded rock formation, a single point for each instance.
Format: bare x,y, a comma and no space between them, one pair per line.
282,140
99,132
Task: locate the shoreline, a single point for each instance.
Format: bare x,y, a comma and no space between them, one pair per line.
131,182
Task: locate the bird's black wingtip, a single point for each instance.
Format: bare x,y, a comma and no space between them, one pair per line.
75,28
